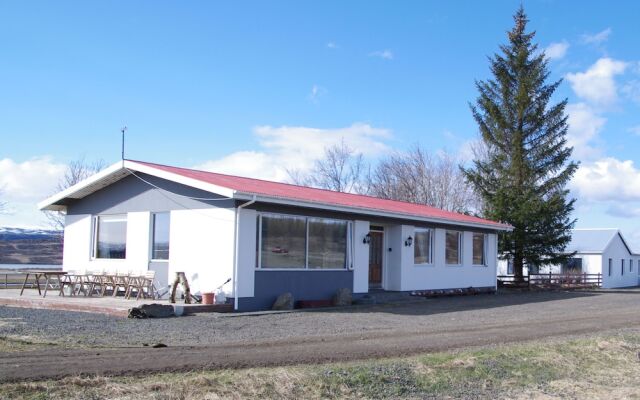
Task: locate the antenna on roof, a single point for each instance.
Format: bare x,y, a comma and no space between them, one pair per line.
123,130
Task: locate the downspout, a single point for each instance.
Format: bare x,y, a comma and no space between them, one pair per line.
236,235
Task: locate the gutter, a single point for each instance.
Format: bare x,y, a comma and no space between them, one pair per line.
372,212
236,251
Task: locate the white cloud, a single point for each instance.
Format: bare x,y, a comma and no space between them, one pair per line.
556,51
635,130
316,92
597,84
332,45
597,38
584,126
607,179
384,54
23,185
623,211
296,147
631,89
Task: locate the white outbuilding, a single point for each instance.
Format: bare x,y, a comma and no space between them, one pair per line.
597,251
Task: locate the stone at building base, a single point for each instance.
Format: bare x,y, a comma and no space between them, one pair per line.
343,297
152,311
284,302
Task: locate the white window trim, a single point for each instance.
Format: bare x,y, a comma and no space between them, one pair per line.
94,239
460,262
484,249
347,260
431,231
151,237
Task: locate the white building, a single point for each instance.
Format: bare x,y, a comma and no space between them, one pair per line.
266,237
598,251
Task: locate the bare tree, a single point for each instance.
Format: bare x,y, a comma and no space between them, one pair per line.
77,171
420,177
341,169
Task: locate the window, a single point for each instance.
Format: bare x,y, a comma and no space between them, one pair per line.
453,243
283,241
160,241
110,236
572,266
423,245
479,240
294,242
509,267
630,265
622,267
327,243
610,266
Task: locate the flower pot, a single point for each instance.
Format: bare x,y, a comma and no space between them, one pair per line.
207,298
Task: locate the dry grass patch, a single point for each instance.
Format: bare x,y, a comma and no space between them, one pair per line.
599,367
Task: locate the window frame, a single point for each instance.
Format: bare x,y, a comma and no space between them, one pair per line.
153,237
485,240
460,248
348,253
94,237
430,262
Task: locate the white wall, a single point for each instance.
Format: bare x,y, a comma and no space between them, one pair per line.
441,276
392,260
246,255
201,243
138,241
138,253
77,242
618,251
360,257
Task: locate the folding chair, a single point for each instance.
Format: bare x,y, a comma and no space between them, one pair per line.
120,281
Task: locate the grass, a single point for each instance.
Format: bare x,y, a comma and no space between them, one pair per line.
10,344
598,367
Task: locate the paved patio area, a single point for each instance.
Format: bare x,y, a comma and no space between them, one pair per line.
115,306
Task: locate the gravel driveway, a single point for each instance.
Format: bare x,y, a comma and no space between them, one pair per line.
220,341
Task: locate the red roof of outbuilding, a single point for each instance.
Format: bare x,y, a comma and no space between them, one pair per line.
287,191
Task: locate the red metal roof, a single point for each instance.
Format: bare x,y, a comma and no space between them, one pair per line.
321,196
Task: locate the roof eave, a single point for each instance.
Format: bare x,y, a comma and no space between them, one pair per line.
49,204
367,211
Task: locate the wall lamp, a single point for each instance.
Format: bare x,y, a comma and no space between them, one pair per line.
367,238
408,242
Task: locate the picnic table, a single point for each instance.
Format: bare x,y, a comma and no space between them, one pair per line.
49,282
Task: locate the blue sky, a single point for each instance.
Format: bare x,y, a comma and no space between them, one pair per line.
254,88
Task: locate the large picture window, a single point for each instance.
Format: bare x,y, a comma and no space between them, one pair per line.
453,248
160,247
479,250
110,237
287,241
327,243
423,248
283,241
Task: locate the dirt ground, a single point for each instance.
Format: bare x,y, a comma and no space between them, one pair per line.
214,342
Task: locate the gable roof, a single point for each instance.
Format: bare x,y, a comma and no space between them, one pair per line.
594,240
271,192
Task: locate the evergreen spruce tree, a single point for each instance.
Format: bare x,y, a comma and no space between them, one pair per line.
522,177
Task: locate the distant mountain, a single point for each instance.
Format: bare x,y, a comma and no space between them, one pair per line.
30,246
26,234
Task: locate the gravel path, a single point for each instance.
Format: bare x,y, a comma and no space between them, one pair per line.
209,340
